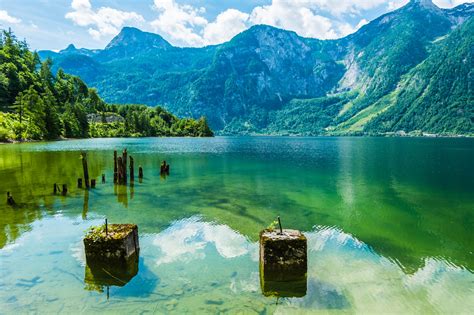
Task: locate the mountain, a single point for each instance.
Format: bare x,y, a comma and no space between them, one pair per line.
395,73
36,105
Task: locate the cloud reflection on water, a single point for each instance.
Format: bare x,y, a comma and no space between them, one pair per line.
186,240
339,266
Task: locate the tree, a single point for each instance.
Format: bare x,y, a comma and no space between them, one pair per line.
52,120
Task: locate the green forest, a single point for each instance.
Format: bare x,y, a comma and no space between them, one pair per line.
35,104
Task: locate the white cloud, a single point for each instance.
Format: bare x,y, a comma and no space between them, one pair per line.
179,22
295,17
227,24
450,3
103,21
396,4
334,7
185,25
5,17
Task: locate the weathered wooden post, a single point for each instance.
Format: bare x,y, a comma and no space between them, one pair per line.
164,168
119,170
93,183
85,168
64,192
124,165
55,189
79,183
10,200
283,262
103,178
140,172
132,172
115,167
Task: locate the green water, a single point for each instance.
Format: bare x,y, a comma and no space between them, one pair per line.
389,224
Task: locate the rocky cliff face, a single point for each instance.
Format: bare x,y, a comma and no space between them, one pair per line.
249,84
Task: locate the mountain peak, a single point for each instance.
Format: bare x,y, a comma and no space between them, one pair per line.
134,37
71,47
131,30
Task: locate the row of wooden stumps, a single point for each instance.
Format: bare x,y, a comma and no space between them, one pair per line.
120,168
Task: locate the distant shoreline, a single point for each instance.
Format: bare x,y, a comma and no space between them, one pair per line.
260,135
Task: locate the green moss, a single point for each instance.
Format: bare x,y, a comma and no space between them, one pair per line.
114,232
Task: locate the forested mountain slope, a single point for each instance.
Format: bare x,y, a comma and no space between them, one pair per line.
401,72
37,105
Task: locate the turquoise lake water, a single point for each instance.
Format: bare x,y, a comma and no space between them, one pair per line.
389,223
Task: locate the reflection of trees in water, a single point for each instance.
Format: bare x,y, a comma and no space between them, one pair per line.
30,177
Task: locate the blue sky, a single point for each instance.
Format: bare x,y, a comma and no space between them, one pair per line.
53,24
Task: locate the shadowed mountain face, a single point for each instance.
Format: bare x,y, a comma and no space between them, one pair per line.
383,78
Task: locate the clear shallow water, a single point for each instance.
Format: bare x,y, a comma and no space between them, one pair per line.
389,224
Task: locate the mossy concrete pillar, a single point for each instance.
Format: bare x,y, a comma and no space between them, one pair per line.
112,242
283,263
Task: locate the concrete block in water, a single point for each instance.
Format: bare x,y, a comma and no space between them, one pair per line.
118,243
283,263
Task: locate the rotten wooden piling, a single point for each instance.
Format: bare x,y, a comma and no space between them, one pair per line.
10,200
119,170
124,165
93,183
79,183
64,192
164,168
140,172
132,172
55,188
115,167
85,168
103,178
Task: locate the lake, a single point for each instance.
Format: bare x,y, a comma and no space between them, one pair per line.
389,223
